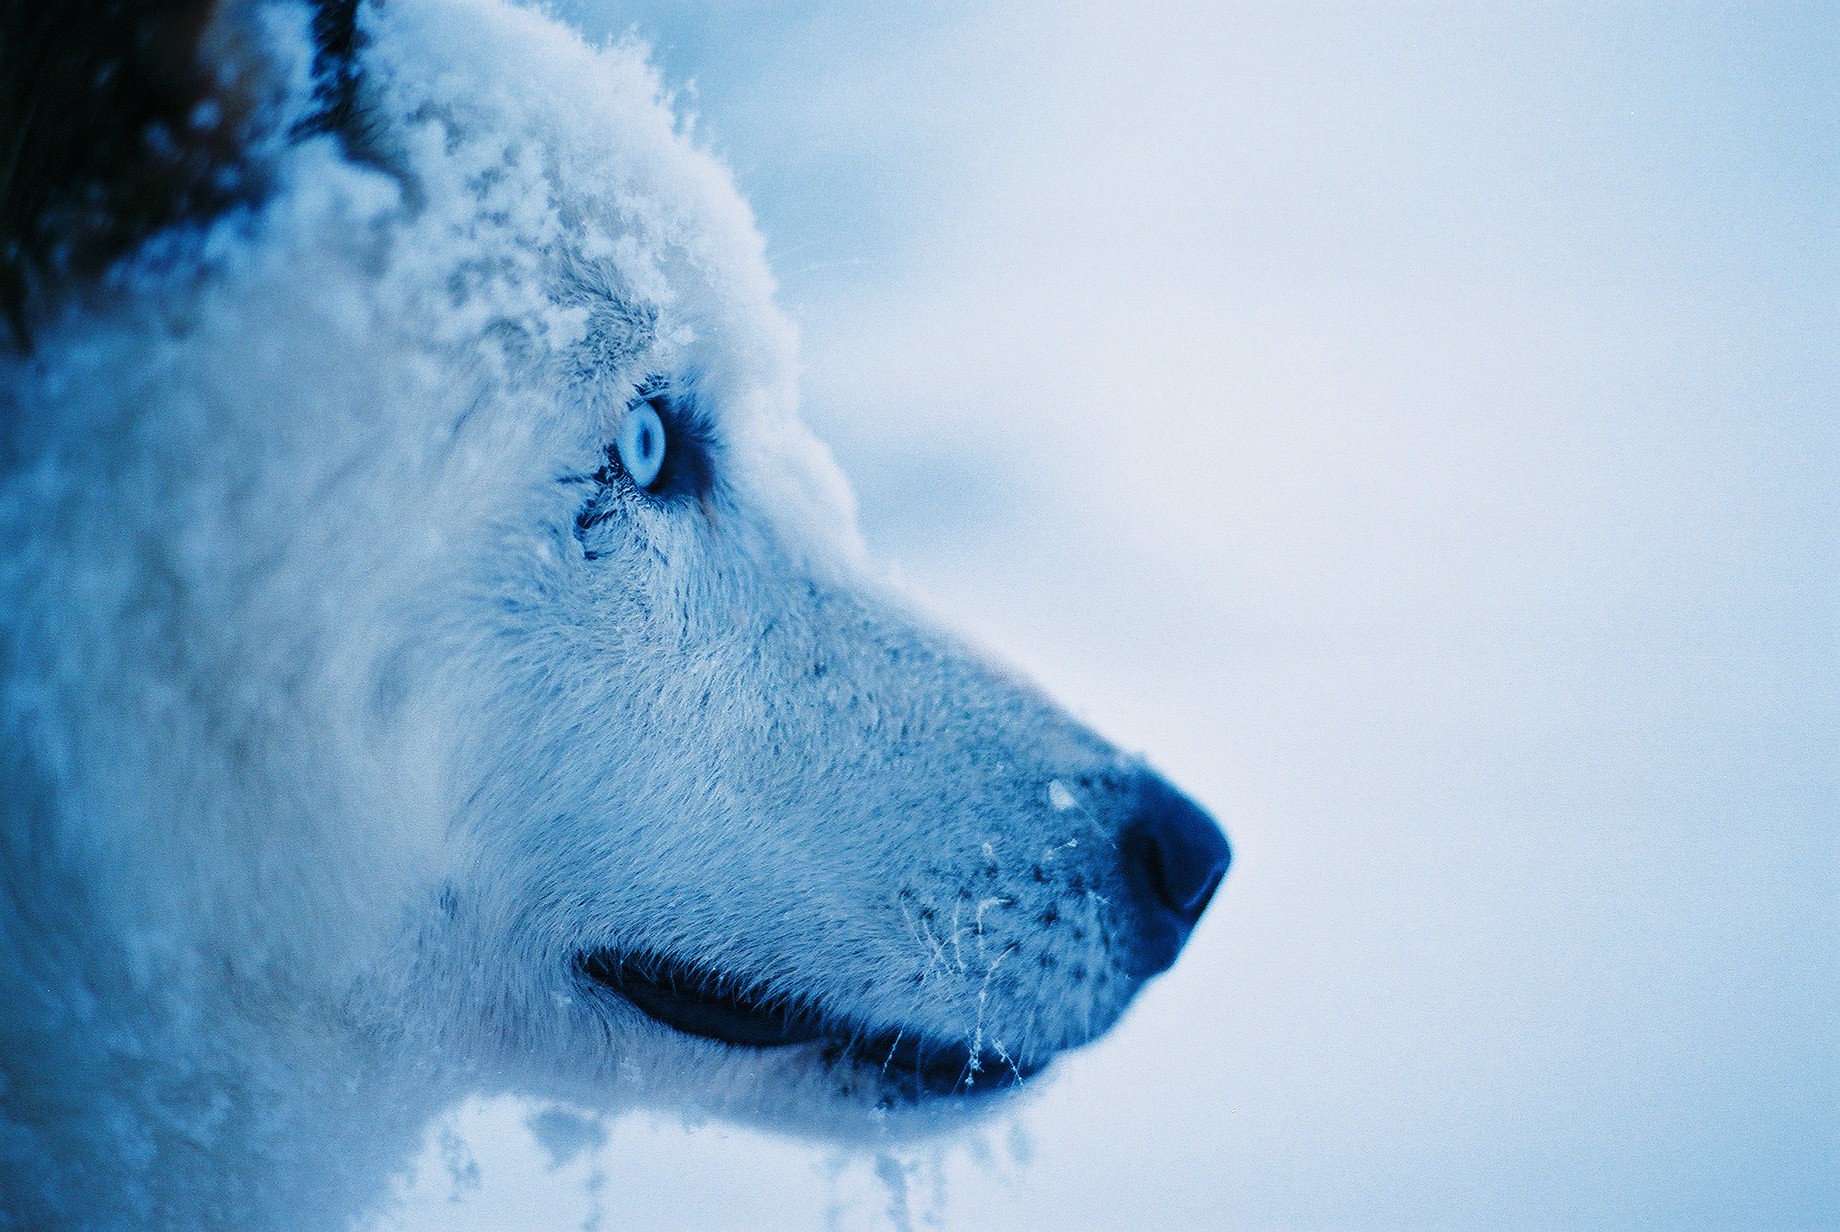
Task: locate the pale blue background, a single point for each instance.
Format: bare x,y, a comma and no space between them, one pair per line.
1415,427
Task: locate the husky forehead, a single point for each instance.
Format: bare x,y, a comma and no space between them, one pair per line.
650,260
521,137
529,223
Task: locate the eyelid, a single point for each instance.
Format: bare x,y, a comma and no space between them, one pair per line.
689,444
688,472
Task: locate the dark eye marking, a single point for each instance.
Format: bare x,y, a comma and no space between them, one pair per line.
660,453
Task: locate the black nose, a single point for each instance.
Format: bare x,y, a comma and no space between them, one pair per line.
1174,857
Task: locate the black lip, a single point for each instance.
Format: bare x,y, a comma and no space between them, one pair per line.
709,1006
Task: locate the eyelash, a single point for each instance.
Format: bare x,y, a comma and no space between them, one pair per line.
685,471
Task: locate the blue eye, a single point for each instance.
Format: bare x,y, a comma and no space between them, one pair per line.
641,443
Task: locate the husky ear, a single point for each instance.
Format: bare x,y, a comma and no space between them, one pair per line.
119,118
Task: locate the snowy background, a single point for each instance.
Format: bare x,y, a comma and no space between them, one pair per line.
1418,428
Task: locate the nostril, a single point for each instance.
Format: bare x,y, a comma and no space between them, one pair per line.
1175,850
1185,887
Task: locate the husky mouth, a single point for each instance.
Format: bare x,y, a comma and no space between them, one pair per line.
708,1005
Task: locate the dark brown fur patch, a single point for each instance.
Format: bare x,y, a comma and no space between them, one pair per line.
120,118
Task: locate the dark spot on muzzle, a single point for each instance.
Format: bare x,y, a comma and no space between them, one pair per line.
1174,858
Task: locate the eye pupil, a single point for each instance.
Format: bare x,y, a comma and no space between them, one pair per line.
641,443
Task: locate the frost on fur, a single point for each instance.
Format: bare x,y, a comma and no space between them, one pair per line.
374,734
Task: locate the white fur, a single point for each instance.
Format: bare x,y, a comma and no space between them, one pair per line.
327,743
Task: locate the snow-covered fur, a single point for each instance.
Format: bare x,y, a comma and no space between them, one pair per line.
353,697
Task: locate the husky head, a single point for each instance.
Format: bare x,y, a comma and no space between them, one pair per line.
434,652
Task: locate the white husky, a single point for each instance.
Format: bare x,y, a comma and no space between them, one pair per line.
435,659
